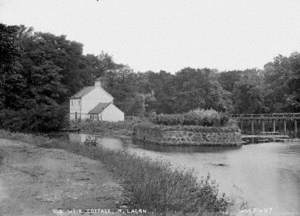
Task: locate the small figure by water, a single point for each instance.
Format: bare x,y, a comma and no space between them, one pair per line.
90,141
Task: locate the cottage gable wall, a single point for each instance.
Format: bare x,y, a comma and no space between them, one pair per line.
90,100
112,113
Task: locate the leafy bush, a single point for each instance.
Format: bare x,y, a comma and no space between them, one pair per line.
196,117
110,128
151,185
194,128
37,119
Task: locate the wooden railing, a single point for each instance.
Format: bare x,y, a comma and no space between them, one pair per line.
263,119
275,116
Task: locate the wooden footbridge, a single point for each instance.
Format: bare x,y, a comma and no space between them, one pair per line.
278,121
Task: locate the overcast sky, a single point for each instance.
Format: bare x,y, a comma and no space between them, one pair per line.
169,34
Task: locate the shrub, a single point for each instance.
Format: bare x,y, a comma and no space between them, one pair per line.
232,123
195,117
194,128
111,128
37,119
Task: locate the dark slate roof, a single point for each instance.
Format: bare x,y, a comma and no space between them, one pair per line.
99,108
83,92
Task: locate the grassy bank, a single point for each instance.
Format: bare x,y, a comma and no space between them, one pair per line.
122,128
150,185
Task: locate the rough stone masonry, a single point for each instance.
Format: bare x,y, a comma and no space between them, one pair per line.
187,135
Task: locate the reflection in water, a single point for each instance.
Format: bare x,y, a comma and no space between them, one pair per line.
111,143
183,149
265,175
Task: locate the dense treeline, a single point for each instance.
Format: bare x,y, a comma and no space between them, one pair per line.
40,71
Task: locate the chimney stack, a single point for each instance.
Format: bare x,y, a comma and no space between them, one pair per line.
98,83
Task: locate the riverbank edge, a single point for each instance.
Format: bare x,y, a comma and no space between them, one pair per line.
145,182
141,131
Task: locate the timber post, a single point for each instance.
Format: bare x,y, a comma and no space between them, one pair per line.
274,126
263,126
296,128
241,122
284,126
252,127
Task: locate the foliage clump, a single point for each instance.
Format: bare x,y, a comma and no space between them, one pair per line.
198,117
120,128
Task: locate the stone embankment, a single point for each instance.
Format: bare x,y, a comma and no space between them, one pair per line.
187,135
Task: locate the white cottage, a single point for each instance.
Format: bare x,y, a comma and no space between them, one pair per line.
93,102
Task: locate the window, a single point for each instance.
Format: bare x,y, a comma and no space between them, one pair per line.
94,117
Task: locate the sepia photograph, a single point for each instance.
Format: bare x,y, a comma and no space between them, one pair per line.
149,107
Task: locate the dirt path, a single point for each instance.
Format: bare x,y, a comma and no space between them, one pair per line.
34,180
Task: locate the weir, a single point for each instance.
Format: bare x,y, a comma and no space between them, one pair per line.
277,123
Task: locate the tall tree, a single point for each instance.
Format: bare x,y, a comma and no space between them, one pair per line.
229,79
282,84
8,53
122,84
199,88
248,94
161,88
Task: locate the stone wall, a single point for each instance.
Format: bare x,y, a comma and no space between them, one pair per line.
187,135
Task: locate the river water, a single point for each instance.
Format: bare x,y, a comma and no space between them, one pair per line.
266,175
